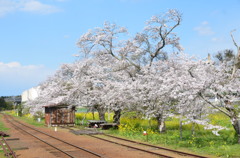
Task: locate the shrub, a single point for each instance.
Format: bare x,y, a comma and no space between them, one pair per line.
38,114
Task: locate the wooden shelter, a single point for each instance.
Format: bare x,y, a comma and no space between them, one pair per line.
59,115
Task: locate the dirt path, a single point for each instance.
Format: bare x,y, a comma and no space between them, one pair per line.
37,149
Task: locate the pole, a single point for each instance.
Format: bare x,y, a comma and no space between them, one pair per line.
108,112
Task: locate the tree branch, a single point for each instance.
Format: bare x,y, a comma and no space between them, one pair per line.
234,42
220,109
163,39
236,57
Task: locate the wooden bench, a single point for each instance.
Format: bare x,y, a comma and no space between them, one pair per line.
95,123
106,126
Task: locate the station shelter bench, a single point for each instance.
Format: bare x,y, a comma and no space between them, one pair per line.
106,126
95,123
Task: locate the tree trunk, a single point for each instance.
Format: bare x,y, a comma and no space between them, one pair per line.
161,123
93,115
194,125
236,126
117,116
101,112
193,128
180,129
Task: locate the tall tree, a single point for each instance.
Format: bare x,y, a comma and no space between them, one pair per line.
3,104
225,55
129,56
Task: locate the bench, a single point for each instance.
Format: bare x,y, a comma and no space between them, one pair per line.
95,123
106,126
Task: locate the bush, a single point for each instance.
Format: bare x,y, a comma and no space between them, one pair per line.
38,114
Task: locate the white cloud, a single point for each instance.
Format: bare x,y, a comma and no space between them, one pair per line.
9,65
7,6
38,7
16,76
204,29
34,6
16,66
217,39
66,36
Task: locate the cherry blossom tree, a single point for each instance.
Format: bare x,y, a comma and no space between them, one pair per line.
164,89
130,55
202,81
52,91
225,88
104,44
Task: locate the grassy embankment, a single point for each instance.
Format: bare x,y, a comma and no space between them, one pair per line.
27,118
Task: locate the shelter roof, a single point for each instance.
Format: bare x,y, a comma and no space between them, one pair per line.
57,102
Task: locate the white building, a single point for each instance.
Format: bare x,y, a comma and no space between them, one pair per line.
30,94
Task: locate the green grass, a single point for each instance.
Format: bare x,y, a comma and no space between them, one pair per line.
3,129
1,153
32,121
28,119
203,142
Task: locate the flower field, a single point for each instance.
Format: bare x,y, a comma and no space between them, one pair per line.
203,141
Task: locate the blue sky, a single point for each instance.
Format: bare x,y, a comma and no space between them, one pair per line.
37,36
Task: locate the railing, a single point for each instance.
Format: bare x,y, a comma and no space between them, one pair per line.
6,148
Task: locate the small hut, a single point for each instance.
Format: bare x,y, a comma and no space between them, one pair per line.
59,115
